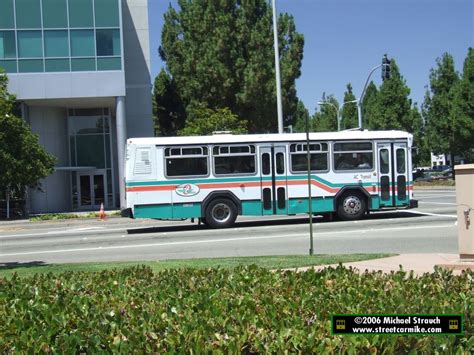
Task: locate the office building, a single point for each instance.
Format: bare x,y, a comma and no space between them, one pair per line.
81,70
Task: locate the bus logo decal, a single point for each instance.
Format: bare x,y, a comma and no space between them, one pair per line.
187,190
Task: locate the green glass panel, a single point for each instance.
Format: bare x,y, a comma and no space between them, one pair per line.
54,14
6,14
56,65
109,64
83,123
8,65
56,44
81,13
83,64
7,44
28,14
30,65
106,13
30,44
108,42
90,150
82,43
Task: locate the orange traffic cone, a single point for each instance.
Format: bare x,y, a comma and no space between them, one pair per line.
102,212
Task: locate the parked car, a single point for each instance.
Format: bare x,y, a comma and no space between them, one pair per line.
422,175
441,167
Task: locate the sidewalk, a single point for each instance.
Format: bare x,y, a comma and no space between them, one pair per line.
419,263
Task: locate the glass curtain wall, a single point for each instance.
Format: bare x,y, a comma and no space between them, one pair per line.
60,35
90,144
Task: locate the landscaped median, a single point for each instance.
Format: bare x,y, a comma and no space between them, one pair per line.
243,309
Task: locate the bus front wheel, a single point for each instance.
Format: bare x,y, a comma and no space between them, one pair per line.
351,206
221,213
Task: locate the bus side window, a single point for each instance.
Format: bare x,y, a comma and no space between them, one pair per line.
353,156
186,161
234,160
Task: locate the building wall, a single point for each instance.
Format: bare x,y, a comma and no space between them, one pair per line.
61,49
137,68
50,123
50,83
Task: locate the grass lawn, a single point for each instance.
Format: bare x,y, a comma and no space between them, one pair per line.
268,262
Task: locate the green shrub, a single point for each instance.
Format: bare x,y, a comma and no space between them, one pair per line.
53,216
242,310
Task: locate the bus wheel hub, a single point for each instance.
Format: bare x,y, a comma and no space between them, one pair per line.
221,212
352,205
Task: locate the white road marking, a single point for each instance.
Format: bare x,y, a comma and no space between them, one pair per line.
355,234
435,196
68,231
432,214
437,203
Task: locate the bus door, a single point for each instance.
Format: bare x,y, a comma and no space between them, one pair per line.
400,173
273,180
393,174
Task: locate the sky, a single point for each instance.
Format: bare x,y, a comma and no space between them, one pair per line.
345,39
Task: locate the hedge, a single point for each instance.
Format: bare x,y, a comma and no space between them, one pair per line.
242,310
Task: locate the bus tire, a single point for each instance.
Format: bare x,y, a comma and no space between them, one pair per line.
221,213
351,206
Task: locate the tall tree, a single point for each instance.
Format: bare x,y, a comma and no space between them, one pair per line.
23,161
421,153
438,107
168,109
462,114
302,114
349,111
393,108
369,106
326,119
205,121
220,53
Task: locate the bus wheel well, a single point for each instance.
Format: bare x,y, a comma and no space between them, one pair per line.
349,189
221,194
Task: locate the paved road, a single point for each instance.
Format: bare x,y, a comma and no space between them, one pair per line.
429,229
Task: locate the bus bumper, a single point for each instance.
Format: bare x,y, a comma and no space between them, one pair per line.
413,204
126,212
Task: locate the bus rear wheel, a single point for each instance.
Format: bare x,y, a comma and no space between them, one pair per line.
351,206
221,213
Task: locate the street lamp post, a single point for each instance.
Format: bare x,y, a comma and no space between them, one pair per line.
385,75
338,110
359,104
277,69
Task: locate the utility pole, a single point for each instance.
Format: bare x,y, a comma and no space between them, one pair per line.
310,200
277,69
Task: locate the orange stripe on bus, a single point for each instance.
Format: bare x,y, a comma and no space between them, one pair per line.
151,188
251,184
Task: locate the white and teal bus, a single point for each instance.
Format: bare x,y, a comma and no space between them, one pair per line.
217,178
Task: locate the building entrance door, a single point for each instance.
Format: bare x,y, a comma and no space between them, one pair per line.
92,189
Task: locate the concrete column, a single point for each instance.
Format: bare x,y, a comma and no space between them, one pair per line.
121,144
